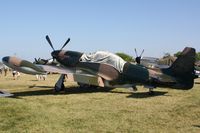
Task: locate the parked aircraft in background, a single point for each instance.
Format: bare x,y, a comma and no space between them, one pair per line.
106,69
166,62
149,62
41,61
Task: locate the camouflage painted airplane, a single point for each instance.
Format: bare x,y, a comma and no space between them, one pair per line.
45,61
106,69
152,62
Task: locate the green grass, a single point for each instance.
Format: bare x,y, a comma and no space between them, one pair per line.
36,108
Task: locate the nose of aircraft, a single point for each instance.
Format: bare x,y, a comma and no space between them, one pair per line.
5,59
55,54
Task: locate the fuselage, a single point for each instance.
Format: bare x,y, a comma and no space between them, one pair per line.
114,71
130,75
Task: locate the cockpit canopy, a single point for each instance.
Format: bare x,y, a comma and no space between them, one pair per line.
104,57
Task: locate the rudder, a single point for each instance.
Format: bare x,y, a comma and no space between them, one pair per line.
183,67
184,64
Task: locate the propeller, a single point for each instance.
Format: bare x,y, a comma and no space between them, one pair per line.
138,58
136,52
45,61
59,85
50,43
142,53
36,60
65,43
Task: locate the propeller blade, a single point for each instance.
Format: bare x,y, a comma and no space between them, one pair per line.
36,60
49,41
44,60
136,52
142,52
65,43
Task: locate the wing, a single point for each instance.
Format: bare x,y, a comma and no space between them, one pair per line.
56,69
105,71
75,75
87,73
92,71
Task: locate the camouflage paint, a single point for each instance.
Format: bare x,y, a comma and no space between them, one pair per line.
22,65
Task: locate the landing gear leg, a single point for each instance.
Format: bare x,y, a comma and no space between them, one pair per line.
59,86
151,92
134,88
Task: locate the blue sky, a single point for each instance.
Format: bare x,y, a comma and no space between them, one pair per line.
157,26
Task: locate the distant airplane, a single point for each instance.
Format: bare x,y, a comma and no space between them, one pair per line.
166,62
149,62
45,61
106,69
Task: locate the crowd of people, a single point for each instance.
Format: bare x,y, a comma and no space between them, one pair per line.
4,70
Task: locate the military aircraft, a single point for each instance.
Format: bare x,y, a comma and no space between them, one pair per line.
41,61
166,62
106,69
149,62
138,58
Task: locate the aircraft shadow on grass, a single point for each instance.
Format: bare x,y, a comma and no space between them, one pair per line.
197,82
146,94
196,126
78,90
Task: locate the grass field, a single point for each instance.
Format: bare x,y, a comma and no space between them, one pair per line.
36,108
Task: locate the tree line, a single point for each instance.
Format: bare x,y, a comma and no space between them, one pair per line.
129,58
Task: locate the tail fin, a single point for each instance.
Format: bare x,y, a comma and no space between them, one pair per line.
183,67
184,64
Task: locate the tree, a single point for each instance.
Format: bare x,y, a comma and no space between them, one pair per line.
177,53
166,55
126,57
198,56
